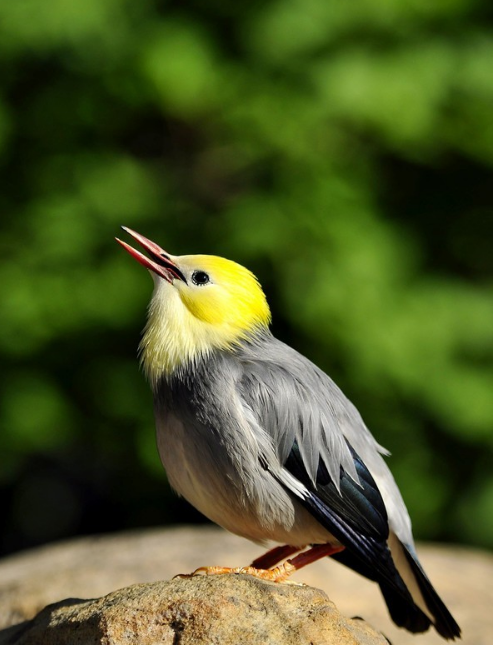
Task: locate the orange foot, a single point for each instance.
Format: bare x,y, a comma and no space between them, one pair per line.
278,574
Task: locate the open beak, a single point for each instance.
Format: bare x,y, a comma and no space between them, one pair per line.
158,261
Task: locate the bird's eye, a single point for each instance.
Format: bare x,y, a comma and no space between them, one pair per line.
200,278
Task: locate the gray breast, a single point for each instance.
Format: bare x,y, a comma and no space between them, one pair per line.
215,456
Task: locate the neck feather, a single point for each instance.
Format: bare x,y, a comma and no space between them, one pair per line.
174,340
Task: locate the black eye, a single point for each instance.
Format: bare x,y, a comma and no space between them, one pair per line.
200,278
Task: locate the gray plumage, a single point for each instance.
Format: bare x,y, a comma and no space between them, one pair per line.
203,417
263,397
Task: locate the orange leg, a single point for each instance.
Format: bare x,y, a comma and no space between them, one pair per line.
315,553
284,570
274,556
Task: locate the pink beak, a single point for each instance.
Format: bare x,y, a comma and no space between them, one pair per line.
158,261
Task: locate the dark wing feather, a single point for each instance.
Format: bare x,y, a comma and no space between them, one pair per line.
356,515
360,504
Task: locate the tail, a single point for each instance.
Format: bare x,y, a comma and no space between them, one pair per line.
443,620
411,599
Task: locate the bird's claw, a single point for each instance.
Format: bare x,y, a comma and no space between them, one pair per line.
277,574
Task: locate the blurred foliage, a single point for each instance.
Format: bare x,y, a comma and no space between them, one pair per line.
343,151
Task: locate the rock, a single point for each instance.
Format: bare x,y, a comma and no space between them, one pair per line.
227,609
95,566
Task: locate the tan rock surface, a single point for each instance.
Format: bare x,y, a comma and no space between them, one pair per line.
225,609
95,566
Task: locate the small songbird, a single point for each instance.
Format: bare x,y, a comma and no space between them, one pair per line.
264,443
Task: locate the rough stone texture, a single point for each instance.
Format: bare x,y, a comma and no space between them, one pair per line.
225,609
92,567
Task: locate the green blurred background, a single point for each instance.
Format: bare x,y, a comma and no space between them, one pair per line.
342,151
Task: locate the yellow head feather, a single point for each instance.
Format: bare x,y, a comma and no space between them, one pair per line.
188,320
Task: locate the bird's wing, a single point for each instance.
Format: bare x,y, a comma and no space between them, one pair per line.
297,403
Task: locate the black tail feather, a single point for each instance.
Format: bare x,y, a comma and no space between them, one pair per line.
444,622
403,612
400,604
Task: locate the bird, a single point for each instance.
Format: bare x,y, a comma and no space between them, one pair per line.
264,443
